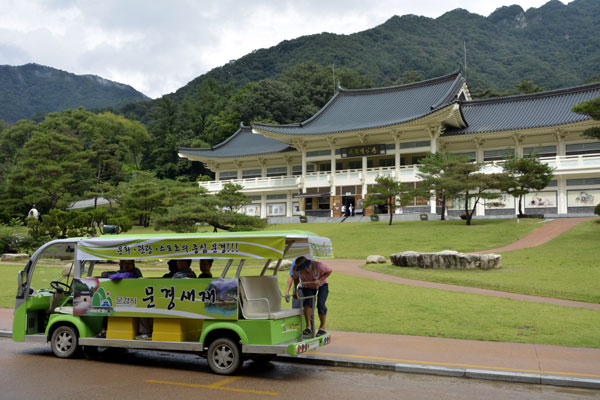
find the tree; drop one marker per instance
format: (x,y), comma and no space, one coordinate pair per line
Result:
(388,191)
(591,108)
(525,174)
(481,186)
(411,76)
(188,206)
(231,198)
(51,170)
(143,195)
(527,86)
(445,174)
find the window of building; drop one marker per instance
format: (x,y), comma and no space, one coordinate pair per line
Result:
(251,173)
(228,175)
(583,148)
(493,155)
(325,167)
(339,166)
(253,210)
(540,151)
(254,198)
(387,162)
(318,153)
(275,209)
(297,169)
(411,145)
(277,196)
(583,182)
(278,171)
(391,146)
(354,164)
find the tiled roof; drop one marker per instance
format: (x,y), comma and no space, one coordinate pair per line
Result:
(242,143)
(351,110)
(525,111)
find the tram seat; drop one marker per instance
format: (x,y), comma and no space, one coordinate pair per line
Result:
(261,298)
(64,310)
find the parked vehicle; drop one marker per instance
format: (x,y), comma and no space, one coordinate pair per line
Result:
(226,319)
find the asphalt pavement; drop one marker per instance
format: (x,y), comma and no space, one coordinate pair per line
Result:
(513,362)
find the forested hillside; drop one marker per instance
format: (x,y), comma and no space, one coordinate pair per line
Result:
(555,46)
(36,89)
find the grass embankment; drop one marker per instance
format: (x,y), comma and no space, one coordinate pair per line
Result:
(357,240)
(567,267)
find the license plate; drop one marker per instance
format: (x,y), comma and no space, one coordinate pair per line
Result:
(313,345)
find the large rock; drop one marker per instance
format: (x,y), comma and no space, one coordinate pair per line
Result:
(284,266)
(13,257)
(376,260)
(447,259)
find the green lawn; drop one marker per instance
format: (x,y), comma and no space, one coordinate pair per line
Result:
(566,267)
(357,240)
(380,307)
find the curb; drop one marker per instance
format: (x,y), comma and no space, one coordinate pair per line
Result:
(7,334)
(505,376)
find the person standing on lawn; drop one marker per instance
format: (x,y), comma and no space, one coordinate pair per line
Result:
(314,274)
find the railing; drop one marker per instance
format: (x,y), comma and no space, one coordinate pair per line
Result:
(407,173)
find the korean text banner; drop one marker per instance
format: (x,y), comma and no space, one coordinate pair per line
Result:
(257,247)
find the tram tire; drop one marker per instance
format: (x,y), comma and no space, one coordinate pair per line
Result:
(65,342)
(224,356)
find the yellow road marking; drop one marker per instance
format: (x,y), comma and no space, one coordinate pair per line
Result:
(215,386)
(453,364)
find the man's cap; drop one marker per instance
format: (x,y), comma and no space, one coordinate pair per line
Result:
(301,266)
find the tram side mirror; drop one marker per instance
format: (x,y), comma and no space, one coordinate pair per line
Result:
(113,229)
(22,278)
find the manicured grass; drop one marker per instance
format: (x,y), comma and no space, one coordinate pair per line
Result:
(566,267)
(357,240)
(380,307)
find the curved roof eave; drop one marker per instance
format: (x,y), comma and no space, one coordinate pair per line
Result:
(260,128)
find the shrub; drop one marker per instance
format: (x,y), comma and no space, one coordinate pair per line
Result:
(597,209)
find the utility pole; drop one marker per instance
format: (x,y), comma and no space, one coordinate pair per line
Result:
(465,53)
(333,71)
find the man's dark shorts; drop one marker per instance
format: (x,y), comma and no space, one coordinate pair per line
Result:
(321,298)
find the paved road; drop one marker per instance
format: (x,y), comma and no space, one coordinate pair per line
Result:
(31,371)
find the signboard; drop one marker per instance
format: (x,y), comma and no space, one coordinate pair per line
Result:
(177,298)
(264,247)
(363,151)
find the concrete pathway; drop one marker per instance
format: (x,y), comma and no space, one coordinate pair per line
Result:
(546,232)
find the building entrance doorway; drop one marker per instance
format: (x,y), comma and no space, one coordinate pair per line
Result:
(348,205)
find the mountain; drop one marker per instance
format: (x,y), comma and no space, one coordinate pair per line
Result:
(555,45)
(31,89)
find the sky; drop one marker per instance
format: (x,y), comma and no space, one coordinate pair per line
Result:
(158,46)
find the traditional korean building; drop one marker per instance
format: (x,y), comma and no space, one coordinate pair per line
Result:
(316,166)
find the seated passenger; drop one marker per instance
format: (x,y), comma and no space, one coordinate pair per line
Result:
(205,266)
(127,269)
(172,269)
(184,270)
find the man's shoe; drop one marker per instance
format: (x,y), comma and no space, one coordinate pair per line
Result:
(144,336)
(321,332)
(307,332)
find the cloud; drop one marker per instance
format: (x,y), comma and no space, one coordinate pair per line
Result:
(158,46)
